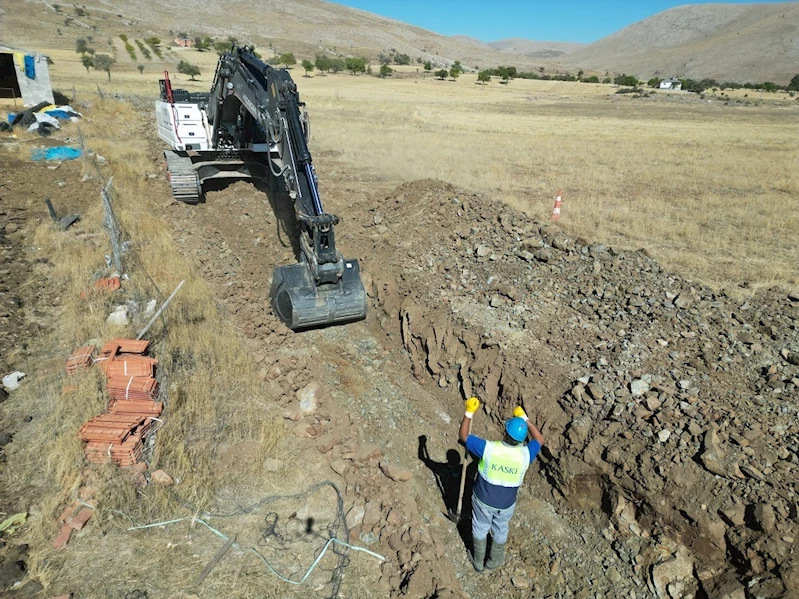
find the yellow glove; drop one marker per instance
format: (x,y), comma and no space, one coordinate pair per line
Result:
(472,405)
(519,412)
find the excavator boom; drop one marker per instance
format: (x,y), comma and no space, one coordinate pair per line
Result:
(253,118)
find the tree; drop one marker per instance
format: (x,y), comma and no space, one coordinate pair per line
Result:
(287,59)
(503,73)
(322,63)
(141,68)
(81,46)
(654,82)
(192,70)
(402,59)
(454,72)
(511,72)
(337,65)
(591,79)
(627,80)
(308,66)
(483,77)
(794,84)
(442,74)
(428,66)
(355,65)
(87,62)
(103,62)
(385,71)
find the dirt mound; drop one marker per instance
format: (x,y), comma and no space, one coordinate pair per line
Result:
(670,407)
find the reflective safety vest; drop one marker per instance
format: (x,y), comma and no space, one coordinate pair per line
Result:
(502,465)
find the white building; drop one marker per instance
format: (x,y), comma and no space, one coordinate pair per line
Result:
(25,75)
(671,83)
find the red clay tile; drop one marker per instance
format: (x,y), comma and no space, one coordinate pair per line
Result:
(68,511)
(79,521)
(63,537)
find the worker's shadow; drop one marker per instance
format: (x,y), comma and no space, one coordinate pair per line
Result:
(448,479)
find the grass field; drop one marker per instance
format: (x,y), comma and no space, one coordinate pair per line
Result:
(710,190)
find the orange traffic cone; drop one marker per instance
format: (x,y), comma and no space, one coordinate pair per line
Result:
(556,209)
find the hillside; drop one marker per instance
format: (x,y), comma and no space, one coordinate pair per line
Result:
(535,49)
(305,27)
(733,42)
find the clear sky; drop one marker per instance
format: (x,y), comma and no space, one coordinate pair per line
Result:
(582,21)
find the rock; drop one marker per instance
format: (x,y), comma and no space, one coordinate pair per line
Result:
(765,517)
(371,514)
(355,516)
(5,438)
(712,457)
(519,582)
(613,575)
(119,317)
(664,435)
(674,579)
(327,442)
(683,301)
(308,397)
(367,452)
(395,473)
(339,466)
(482,251)
(638,387)
(159,477)
(736,515)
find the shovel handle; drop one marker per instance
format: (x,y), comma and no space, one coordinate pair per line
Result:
(463,471)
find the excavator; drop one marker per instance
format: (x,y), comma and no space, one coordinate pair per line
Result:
(252,126)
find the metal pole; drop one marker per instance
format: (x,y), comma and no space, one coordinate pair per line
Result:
(111,225)
(51,209)
(161,309)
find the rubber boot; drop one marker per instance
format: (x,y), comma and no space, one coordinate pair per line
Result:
(478,555)
(497,556)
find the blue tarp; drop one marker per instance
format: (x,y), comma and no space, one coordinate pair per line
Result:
(57,153)
(30,67)
(10,118)
(60,114)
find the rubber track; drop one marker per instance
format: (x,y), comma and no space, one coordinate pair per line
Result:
(183,178)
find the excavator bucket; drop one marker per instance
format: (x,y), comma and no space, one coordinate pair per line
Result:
(301,304)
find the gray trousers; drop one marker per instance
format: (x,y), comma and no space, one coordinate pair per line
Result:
(485,518)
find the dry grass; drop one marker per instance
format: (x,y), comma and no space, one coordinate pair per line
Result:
(711,191)
(215,406)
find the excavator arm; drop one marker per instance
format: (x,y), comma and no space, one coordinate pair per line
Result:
(255,106)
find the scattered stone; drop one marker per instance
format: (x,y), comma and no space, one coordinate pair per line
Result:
(307,397)
(639,387)
(674,578)
(119,317)
(159,477)
(395,473)
(664,435)
(765,517)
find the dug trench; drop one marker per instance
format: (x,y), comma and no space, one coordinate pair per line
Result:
(669,409)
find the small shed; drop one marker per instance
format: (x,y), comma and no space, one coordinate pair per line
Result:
(24,74)
(184,42)
(672,83)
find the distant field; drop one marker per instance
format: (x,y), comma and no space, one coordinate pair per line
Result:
(711,190)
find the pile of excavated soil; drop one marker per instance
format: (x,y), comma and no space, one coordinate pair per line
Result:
(669,407)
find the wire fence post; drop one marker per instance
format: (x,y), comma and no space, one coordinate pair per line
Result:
(113,228)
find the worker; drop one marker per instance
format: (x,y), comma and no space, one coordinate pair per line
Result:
(500,473)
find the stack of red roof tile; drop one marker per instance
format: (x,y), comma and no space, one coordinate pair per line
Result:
(115,437)
(108,284)
(130,380)
(80,358)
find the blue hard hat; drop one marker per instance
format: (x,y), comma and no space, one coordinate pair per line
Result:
(517,429)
